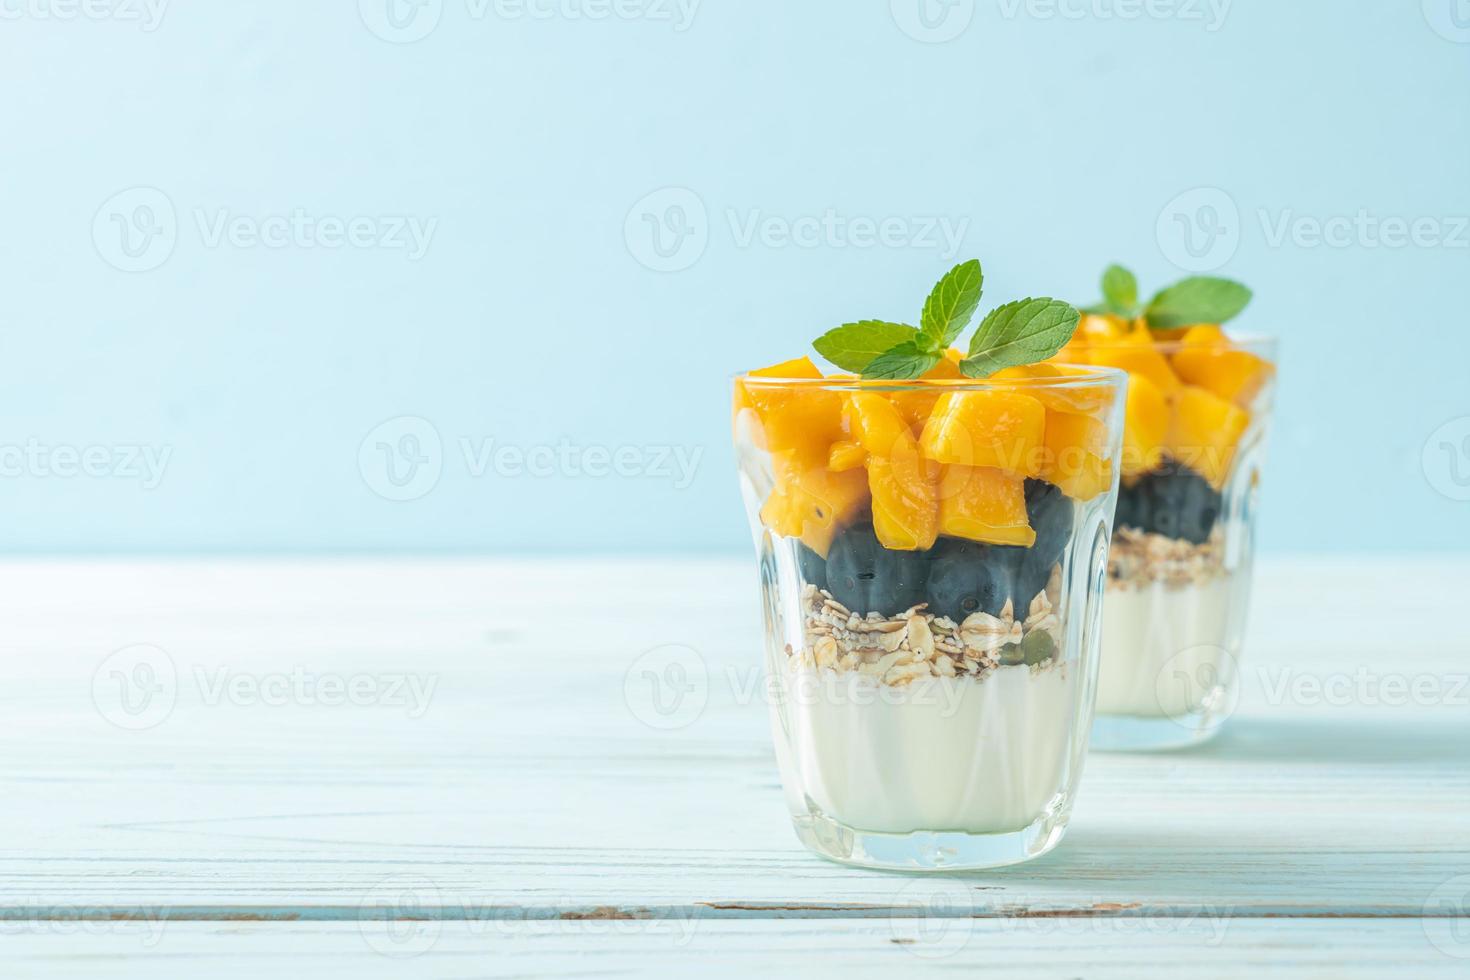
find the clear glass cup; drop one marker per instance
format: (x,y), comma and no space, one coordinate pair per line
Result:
(1179,574)
(932,691)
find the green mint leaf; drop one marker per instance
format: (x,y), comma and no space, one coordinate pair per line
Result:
(951,304)
(1198,299)
(1023,332)
(1120,291)
(853,346)
(903,363)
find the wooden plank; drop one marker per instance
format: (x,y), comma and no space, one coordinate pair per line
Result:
(526,785)
(1131,949)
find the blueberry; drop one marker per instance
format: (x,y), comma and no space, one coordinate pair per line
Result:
(1133,505)
(1181,503)
(866,577)
(813,566)
(968,577)
(1051,514)
(1031,576)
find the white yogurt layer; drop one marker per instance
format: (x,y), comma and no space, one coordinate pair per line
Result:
(941,754)
(1162,648)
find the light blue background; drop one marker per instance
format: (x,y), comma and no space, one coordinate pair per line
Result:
(529,319)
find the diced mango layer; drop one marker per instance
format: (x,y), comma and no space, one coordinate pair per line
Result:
(1204,433)
(984,504)
(995,428)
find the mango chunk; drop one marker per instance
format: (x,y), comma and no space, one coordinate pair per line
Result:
(814,504)
(1204,433)
(916,406)
(1101,328)
(1135,353)
(1075,455)
(798,422)
(1089,401)
(846,455)
(1145,426)
(872,420)
(1207,359)
(996,428)
(982,503)
(905,492)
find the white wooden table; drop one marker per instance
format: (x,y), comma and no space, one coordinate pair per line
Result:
(376,768)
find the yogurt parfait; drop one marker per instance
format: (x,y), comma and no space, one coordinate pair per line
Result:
(932,527)
(1179,570)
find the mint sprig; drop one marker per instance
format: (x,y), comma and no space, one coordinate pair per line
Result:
(1012,335)
(904,363)
(1023,332)
(1197,299)
(952,303)
(853,346)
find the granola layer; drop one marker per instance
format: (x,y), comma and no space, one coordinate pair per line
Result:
(1138,559)
(916,644)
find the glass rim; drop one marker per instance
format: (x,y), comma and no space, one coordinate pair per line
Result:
(1252,343)
(1082,376)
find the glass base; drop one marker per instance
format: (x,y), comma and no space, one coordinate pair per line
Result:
(926,850)
(1133,733)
